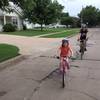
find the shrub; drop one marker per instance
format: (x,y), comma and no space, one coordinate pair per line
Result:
(24,27)
(9,28)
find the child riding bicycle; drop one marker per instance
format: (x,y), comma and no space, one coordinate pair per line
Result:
(65,52)
(83,35)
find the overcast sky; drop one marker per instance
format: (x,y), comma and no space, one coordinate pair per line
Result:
(74,6)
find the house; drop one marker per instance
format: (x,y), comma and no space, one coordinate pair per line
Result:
(12,17)
(55,25)
(15,19)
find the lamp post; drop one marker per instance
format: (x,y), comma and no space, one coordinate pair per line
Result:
(87,24)
(82,17)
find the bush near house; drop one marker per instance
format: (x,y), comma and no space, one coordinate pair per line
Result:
(9,28)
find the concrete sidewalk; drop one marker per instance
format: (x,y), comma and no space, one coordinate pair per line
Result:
(29,79)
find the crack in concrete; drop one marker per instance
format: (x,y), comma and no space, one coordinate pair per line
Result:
(86,59)
(48,75)
(81,92)
(2,93)
(94,60)
(34,91)
(40,82)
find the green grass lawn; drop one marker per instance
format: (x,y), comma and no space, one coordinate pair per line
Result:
(7,52)
(63,34)
(35,32)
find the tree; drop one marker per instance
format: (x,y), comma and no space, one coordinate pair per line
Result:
(45,12)
(3,4)
(76,22)
(89,15)
(64,14)
(98,17)
(67,21)
(40,11)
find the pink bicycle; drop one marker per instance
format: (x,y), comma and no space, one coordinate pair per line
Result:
(64,67)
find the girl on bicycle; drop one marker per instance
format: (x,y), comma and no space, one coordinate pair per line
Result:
(65,53)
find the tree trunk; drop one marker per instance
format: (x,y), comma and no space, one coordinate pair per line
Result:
(41,27)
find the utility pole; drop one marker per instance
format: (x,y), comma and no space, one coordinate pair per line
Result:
(82,17)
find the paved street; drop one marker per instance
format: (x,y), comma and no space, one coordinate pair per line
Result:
(29,45)
(36,78)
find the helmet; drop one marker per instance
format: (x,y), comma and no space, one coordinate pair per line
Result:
(65,40)
(83,25)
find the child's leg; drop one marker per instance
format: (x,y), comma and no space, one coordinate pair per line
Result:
(67,63)
(61,63)
(85,44)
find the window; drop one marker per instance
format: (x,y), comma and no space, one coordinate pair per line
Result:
(14,21)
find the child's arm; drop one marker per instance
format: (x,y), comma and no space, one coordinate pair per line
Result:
(71,51)
(58,52)
(79,35)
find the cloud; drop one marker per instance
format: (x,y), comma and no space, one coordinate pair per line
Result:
(75,6)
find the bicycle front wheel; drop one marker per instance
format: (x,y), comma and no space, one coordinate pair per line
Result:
(63,78)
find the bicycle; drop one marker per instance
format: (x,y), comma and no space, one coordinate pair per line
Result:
(64,67)
(83,47)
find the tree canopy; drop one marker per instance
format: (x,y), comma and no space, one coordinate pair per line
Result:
(90,15)
(67,20)
(44,12)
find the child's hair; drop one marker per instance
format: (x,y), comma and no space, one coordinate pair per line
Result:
(64,41)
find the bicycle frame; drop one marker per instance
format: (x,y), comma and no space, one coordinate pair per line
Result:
(64,64)
(82,47)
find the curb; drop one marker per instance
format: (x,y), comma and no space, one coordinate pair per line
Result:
(39,36)
(12,61)
(70,36)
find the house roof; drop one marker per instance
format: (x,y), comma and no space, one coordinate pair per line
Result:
(16,11)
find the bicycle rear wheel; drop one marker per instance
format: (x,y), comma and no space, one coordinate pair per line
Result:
(65,67)
(82,53)
(82,50)
(63,78)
